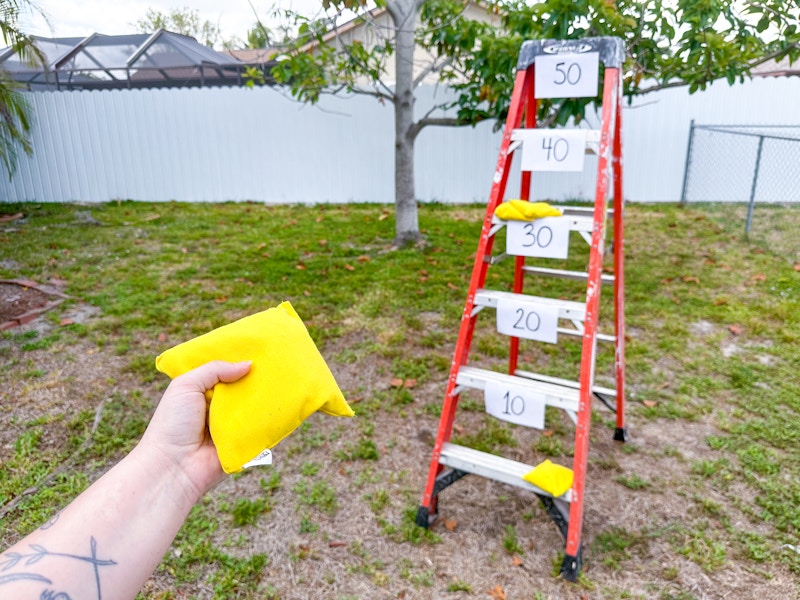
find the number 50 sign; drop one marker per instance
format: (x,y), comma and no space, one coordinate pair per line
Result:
(567,75)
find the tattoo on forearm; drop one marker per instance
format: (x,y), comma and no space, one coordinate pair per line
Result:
(51,522)
(12,559)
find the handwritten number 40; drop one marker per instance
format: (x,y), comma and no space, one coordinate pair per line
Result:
(570,75)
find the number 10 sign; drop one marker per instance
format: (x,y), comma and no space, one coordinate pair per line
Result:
(514,404)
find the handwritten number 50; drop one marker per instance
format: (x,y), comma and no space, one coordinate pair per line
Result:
(570,74)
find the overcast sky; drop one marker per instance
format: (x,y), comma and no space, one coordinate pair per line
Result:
(115,17)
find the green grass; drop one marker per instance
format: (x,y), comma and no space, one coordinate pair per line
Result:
(713,337)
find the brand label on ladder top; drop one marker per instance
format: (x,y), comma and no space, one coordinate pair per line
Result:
(544,238)
(553,150)
(515,405)
(528,319)
(567,75)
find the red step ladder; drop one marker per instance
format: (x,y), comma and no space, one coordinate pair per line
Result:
(562,66)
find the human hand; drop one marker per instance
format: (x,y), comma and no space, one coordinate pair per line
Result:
(178,430)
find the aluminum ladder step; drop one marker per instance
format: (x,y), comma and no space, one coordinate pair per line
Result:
(567,309)
(493,467)
(564,274)
(560,396)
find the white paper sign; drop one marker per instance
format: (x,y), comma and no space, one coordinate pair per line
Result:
(527,319)
(547,237)
(514,405)
(553,150)
(567,75)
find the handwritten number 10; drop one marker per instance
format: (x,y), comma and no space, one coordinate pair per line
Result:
(512,404)
(570,75)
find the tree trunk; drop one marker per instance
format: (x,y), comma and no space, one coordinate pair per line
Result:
(404,13)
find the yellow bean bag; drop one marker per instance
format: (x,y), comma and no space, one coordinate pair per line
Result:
(550,477)
(522,210)
(287,382)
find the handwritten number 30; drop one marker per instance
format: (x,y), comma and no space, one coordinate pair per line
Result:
(543,239)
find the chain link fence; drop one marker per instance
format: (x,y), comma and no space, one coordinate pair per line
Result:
(742,163)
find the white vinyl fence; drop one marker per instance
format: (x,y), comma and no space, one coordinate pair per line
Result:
(218,144)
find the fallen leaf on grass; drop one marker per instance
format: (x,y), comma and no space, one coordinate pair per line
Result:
(65,322)
(691,279)
(363,258)
(458,429)
(150,217)
(758,277)
(336,544)
(261,245)
(516,561)
(410,383)
(649,403)
(451,286)
(318,219)
(450,524)
(497,593)
(350,267)
(323,242)
(396,382)
(221,299)
(547,432)
(735,329)
(306,293)
(797,266)
(162,337)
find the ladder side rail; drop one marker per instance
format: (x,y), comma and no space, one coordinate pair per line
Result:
(479,269)
(619,273)
(531,108)
(571,565)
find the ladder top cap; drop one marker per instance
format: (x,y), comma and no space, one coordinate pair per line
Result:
(611,50)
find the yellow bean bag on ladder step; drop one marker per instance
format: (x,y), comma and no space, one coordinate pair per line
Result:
(522,210)
(288,381)
(550,477)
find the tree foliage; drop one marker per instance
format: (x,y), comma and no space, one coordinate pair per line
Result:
(15,117)
(185,21)
(668,43)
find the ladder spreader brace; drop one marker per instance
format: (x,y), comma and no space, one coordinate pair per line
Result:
(450,462)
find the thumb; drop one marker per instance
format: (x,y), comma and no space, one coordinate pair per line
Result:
(210,374)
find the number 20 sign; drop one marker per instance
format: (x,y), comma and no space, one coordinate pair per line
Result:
(526,319)
(515,405)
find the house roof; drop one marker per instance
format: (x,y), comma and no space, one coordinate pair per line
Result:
(777,68)
(161,59)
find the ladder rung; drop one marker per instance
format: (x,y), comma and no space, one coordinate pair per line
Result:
(567,308)
(492,467)
(564,382)
(577,222)
(559,396)
(563,274)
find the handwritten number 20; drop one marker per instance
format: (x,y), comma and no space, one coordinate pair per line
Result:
(570,74)
(532,321)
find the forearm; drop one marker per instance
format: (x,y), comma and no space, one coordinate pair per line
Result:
(107,542)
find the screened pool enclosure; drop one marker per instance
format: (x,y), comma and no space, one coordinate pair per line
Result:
(161,59)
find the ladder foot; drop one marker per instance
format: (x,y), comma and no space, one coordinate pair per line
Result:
(424,517)
(620,434)
(571,567)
